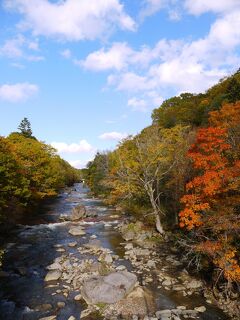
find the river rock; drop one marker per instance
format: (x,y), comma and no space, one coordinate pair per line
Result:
(200,309)
(167,282)
(129,246)
(121,268)
(93,244)
(194,284)
(85,313)
(108,289)
(178,287)
(72,244)
(151,264)
(141,252)
(78,297)
(53,275)
(61,304)
(77,231)
(128,235)
(166,313)
(108,259)
(44,307)
(54,266)
(78,212)
(138,303)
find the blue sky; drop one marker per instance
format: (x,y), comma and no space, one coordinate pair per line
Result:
(87,73)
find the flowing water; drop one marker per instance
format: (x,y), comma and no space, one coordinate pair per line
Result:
(36,242)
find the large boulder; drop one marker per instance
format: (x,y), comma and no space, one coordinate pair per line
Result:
(108,289)
(78,212)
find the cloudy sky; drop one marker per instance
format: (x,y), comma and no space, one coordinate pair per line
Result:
(89,72)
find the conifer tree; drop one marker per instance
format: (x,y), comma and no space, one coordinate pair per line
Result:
(25,128)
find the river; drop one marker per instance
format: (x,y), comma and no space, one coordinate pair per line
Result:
(36,242)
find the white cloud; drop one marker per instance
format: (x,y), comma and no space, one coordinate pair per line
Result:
(225,32)
(198,7)
(175,8)
(189,76)
(13,48)
(120,55)
(78,164)
(114,58)
(20,48)
(155,98)
(81,146)
(179,66)
(33,45)
(113,136)
(150,7)
(138,104)
(71,19)
(132,82)
(17,92)
(199,64)
(67,54)
(174,15)
(145,102)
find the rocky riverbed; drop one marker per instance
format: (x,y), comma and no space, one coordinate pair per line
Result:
(83,260)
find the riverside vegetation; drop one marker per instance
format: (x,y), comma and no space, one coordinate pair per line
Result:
(30,171)
(181,176)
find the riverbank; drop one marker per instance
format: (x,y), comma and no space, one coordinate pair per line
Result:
(89,269)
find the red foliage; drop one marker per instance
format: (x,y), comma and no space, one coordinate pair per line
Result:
(213,195)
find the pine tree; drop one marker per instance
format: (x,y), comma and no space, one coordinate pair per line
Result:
(25,128)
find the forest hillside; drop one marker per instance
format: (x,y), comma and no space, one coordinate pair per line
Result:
(182,175)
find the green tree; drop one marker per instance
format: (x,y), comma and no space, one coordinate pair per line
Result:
(233,90)
(25,128)
(142,164)
(14,187)
(97,171)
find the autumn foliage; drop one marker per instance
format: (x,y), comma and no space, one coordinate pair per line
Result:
(185,168)
(212,198)
(30,171)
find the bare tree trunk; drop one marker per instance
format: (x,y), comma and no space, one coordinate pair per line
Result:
(159,224)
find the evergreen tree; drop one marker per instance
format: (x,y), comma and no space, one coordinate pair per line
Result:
(233,91)
(25,128)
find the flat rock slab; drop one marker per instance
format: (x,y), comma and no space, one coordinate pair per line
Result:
(93,244)
(77,231)
(53,275)
(108,289)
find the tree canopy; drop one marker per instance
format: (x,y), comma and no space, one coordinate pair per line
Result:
(30,171)
(182,173)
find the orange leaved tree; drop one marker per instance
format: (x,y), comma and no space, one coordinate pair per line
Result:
(212,200)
